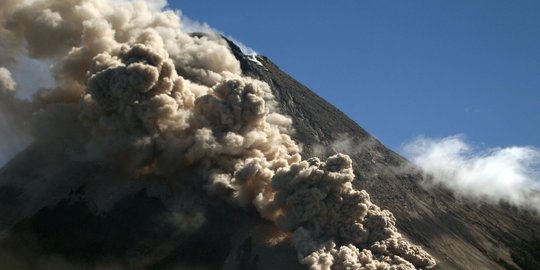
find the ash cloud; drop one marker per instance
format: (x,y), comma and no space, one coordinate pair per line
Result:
(509,174)
(336,226)
(134,89)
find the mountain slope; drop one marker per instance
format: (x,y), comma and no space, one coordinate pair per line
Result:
(459,233)
(66,212)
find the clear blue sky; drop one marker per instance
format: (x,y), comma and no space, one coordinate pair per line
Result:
(403,68)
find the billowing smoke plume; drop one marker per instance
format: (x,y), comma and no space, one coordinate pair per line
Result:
(331,220)
(502,174)
(133,89)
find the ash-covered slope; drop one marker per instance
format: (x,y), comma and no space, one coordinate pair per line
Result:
(459,233)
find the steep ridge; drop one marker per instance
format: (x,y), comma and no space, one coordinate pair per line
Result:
(461,234)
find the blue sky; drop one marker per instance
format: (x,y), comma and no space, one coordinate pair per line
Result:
(403,68)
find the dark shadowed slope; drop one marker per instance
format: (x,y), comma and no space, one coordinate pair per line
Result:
(460,234)
(50,220)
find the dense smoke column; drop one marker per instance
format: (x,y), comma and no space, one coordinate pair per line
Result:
(133,88)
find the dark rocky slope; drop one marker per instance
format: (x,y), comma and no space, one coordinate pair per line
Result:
(460,234)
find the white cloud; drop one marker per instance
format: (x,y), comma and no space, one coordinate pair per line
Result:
(507,174)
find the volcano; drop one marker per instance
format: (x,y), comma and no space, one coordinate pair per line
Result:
(160,149)
(459,234)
